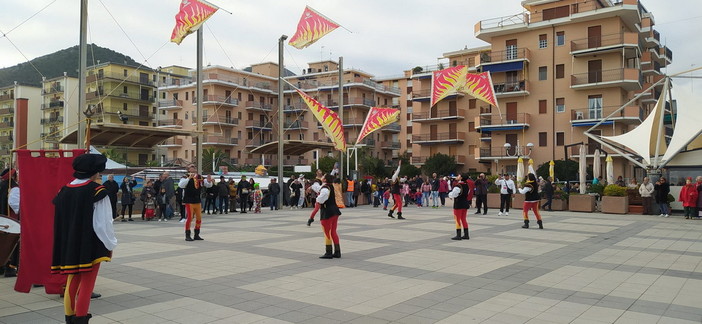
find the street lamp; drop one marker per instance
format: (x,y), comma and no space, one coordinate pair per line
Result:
(519,152)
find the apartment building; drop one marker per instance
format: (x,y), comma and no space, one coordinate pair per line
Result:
(59,115)
(240,111)
(19,118)
(558,69)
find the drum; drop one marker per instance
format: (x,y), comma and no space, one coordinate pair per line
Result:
(9,236)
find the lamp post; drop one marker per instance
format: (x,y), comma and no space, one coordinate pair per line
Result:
(518,150)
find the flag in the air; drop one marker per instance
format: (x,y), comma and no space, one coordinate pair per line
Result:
(376,119)
(312,27)
(446,82)
(331,123)
(190,17)
(479,85)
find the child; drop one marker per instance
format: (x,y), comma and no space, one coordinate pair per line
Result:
(162,201)
(386,199)
(257,196)
(418,197)
(150,207)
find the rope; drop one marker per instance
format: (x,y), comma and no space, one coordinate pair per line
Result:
(28,18)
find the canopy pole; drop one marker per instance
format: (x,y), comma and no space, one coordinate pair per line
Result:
(281,113)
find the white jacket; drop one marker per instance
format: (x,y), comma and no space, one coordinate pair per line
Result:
(504,184)
(646,190)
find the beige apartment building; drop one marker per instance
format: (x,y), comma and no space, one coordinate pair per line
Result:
(240,111)
(57,118)
(19,119)
(558,69)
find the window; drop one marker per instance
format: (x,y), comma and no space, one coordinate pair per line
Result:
(543,106)
(472,103)
(511,49)
(560,105)
(124,106)
(560,71)
(543,41)
(125,72)
(594,106)
(543,139)
(125,90)
(471,126)
(543,73)
(560,138)
(560,38)
(186,96)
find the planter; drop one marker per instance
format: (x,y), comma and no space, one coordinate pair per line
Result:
(557,204)
(581,203)
(493,200)
(615,205)
(635,209)
(517,201)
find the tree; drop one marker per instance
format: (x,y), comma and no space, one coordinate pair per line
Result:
(417,69)
(326,164)
(441,164)
(218,156)
(114,155)
(562,170)
(370,165)
(408,169)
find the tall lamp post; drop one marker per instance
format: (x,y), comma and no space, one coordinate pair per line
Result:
(518,152)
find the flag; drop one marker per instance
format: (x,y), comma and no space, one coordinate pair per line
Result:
(190,17)
(330,121)
(479,85)
(376,119)
(447,81)
(311,28)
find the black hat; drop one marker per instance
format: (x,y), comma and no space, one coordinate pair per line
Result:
(87,165)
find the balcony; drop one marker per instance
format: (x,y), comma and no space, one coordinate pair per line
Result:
(53,89)
(93,95)
(652,69)
(420,160)
(172,142)
(257,124)
(120,77)
(392,128)
(170,123)
(258,106)
(296,125)
(368,141)
(170,104)
(255,142)
(508,55)
(626,78)
(603,44)
(390,145)
(653,39)
(439,138)
(53,105)
(219,140)
(4,152)
(218,100)
(666,54)
(220,121)
(591,116)
(501,152)
(7,111)
(296,108)
(353,122)
(503,122)
(7,124)
(511,89)
(439,114)
(5,139)
(8,96)
(52,120)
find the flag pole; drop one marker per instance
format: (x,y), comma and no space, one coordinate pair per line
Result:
(341,113)
(82,57)
(281,73)
(198,109)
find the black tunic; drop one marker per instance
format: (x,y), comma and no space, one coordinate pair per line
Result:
(462,202)
(328,209)
(76,246)
(533,194)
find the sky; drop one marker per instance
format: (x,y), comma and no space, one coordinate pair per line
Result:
(381,37)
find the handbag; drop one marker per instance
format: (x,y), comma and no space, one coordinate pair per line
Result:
(510,191)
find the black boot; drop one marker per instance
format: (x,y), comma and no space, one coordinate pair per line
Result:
(10,271)
(328,254)
(310,221)
(465,234)
(399,215)
(197,235)
(69,319)
(541,224)
(337,251)
(390,213)
(187,236)
(526,224)
(81,319)
(458,235)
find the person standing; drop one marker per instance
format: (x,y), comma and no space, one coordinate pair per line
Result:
(251,188)
(350,185)
(295,193)
(548,193)
(243,189)
(232,195)
(688,196)
(179,201)
(481,191)
(211,199)
(426,193)
(223,195)
(366,190)
(698,185)
(395,191)
(443,190)
(112,189)
(329,217)
(192,190)
(83,234)
(646,192)
(662,189)
(162,204)
(148,189)
(507,190)
(462,195)
(273,192)
(168,183)
(257,198)
(434,182)
(127,201)
(356,192)
(531,200)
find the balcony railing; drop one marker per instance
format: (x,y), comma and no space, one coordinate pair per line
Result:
(173,103)
(218,100)
(7,124)
(52,105)
(258,105)
(666,53)
(220,120)
(258,124)
(460,159)
(7,96)
(504,120)
(440,114)
(367,141)
(7,111)
(58,119)
(120,76)
(622,75)
(298,124)
(353,121)
(53,89)
(172,142)
(295,108)
(219,140)
(503,152)
(175,123)
(439,137)
(254,142)
(390,145)
(394,128)
(129,95)
(604,41)
(506,55)
(511,88)
(585,114)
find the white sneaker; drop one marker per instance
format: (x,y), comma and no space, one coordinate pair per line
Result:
(506,214)
(661,215)
(165,219)
(159,219)
(182,220)
(499,214)
(666,215)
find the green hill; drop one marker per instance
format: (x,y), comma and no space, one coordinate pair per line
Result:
(54,64)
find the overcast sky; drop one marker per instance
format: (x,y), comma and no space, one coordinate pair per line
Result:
(386,36)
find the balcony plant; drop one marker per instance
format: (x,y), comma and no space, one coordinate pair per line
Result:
(615,200)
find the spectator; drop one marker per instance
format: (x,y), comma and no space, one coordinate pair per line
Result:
(243,189)
(507,190)
(127,200)
(548,193)
(426,192)
(366,190)
(112,188)
(662,190)
(481,191)
(350,186)
(273,192)
(223,195)
(210,199)
(646,192)
(232,195)
(620,182)
(148,189)
(688,196)
(443,190)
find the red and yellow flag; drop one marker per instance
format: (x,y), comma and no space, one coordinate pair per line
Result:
(312,27)
(447,81)
(190,17)
(376,119)
(330,121)
(479,85)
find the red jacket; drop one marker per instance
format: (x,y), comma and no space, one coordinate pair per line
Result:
(688,195)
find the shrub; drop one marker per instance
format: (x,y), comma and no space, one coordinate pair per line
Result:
(560,195)
(493,188)
(596,188)
(614,190)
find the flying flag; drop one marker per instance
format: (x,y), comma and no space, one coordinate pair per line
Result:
(376,119)
(446,82)
(190,17)
(330,121)
(479,85)
(312,27)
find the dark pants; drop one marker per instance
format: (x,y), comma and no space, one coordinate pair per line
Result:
(124,207)
(182,210)
(210,203)
(232,203)
(647,203)
(368,198)
(549,198)
(442,196)
(481,201)
(274,202)
(113,202)
(505,200)
(243,201)
(224,204)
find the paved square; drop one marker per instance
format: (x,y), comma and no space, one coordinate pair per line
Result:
(263,268)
